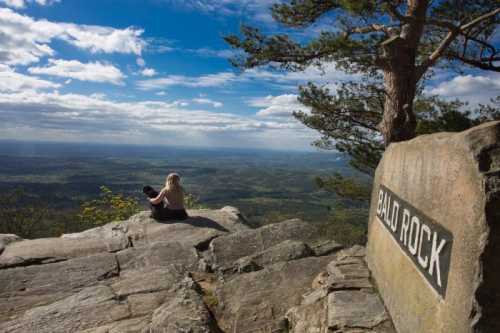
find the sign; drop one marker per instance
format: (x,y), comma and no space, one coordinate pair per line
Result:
(425,242)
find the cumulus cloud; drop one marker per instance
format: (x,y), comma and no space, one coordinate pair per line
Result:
(473,88)
(140,62)
(208,101)
(325,74)
(148,72)
(22,3)
(11,81)
(209,52)
(328,74)
(257,10)
(92,71)
(277,106)
(80,116)
(25,40)
(209,80)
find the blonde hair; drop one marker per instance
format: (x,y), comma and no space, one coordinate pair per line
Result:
(173,182)
(174,190)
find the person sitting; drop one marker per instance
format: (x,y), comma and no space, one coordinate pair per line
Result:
(169,203)
(157,209)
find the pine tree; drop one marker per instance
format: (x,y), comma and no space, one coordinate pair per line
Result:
(392,44)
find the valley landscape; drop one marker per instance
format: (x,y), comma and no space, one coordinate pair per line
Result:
(267,186)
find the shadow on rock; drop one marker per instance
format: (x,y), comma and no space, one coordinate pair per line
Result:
(197,221)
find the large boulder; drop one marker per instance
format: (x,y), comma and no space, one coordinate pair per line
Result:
(434,231)
(6,239)
(202,226)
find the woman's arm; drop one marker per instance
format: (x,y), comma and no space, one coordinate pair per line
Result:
(159,198)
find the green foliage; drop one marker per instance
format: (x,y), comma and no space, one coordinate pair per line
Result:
(19,217)
(490,111)
(345,187)
(402,39)
(346,225)
(346,121)
(439,116)
(107,208)
(360,26)
(192,202)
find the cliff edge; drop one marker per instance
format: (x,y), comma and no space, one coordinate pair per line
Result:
(210,273)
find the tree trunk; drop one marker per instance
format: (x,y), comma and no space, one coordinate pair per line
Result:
(398,122)
(400,81)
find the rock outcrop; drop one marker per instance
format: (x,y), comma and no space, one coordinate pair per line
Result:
(210,273)
(434,233)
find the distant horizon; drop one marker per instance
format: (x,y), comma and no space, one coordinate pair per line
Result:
(313,150)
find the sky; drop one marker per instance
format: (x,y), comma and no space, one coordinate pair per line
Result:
(157,72)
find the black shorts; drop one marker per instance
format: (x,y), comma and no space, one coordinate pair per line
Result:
(158,212)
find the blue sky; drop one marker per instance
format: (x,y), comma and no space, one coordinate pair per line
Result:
(156,71)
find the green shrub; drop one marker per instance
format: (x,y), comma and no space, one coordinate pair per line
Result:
(192,202)
(107,208)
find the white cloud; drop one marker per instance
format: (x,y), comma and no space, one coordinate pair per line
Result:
(11,81)
(148,72)
(22,3)
(475,89)
(161,93)
(209,52)
(257,10)
(92,71)
(277,106)
(140,62)
(209,80)
(95,115)
(25,40)
(328,74)
(208,101)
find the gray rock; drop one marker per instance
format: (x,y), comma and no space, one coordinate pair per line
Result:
(91,307)
(6,239)
(159,278)
(147,281)
(158,254)
(258,301)
(326,247)
(352,268)
(342,300)
(202,226)
(355,309)
(227,249)
(308,317)
(284,251)
(38,251)
(26,287)
(133,325)
(185,312)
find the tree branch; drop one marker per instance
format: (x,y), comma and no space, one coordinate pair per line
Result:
(450,37)
(369,28)
(483,63)
(393,11)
